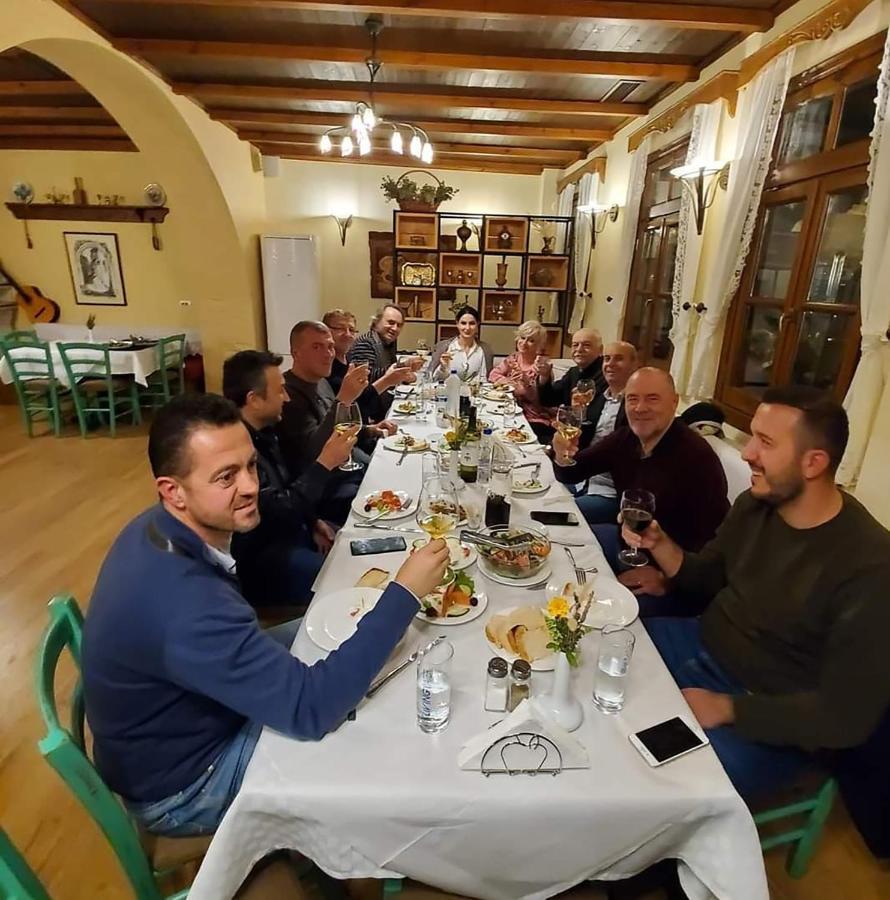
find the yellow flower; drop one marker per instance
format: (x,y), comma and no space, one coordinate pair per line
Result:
(558,608)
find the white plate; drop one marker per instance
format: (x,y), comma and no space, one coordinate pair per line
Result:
(404,412)
(547,664)
(461,556)
(614,604)
(501,434)
(490,393)
(358,507)
(333,618)
(474,613)
(532,580)
(518,489)
(392,443)
(405,388)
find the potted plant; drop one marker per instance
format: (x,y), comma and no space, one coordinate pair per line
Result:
(413,197)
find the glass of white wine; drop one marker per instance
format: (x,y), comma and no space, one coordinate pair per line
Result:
(438,511)
(568,424)
(348,417)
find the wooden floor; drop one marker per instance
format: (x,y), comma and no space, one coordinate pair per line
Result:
(62,502)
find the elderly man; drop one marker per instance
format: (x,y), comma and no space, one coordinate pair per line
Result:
(790,655)
(599,501)
(378,346)
(587,353)
(660,454)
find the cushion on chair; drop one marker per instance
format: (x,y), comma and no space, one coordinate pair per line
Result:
(171,852)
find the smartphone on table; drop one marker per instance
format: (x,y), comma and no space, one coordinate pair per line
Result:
(554,517)
(369,546)
(667,740)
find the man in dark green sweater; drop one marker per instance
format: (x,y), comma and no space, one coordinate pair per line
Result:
(790,655)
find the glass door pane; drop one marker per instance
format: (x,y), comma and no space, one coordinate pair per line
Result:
(803,129)
(758,349)
(838,267)
(821,347)
(647,264)
(661,320)
(668,259)
(858,112)
(780,236)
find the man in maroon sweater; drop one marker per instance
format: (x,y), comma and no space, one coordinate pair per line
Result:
(658,453)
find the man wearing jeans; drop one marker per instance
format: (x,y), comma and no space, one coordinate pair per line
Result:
(789,657)
(179,679)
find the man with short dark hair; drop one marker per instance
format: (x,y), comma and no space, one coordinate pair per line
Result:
(279,560)
(790,655)
(179,680)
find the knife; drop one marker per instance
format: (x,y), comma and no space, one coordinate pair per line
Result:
(402,666)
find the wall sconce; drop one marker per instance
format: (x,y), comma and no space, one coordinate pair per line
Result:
(599,215)
(700,180)
(343,223)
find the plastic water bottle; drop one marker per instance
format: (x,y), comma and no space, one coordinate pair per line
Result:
(452,391)
(483,469)
(441,406)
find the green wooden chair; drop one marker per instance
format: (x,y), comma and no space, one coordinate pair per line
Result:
(146,859)
(810,813)
(94,388)
(39,392)
(17,878)
(169,379)
(28,336)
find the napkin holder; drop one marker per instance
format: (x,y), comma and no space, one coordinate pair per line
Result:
(524,743)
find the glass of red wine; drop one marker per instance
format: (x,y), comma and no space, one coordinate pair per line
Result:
(637,511)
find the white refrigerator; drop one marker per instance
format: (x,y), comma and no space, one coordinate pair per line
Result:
(291,286)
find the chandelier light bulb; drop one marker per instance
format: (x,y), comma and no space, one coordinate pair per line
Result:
(426,155)
(368,118)
(364,144)
(415,147)
(395,142)
(326,145)
(346,146)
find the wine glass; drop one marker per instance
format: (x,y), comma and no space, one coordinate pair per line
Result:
(568,424)
(348,417)
(637,511)
(438,511)
(582,396)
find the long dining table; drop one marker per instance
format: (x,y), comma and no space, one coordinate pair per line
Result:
(380,798)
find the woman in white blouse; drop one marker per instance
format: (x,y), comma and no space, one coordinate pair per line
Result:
(471,357)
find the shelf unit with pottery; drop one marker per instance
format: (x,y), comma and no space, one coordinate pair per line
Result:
(514,268)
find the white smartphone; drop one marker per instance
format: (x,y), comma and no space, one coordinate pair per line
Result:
(668,740)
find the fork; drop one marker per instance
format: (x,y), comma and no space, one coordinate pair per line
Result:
(580,574)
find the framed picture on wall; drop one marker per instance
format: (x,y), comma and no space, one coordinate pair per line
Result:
(380,245)
(95,265)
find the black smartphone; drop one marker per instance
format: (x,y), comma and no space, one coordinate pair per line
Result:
(377,545)
(554,517)
(666,741)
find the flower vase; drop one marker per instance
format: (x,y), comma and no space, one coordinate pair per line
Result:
(90,336)
(561,705)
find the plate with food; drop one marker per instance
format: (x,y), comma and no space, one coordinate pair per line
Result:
(385,504)
(406,407)
(333,618)
(516,435)
(525,563)
(523,485)
(497,391)
(400,442)
(520,632)
(454,601)
(460,555)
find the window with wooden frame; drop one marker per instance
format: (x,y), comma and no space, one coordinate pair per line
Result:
(649,316)
(795,319)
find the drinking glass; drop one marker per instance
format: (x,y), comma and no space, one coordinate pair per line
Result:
(438,511)
(434,688)
(616,649)
(348,417)
(568,424)
(637,511)
(582,396)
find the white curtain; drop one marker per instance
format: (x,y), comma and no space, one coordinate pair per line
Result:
(759,113)
(588,188)
(867,391)
(636,182)
(702,147)
(563,208)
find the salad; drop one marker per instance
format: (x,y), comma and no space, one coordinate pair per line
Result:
(451,599)
(382,501)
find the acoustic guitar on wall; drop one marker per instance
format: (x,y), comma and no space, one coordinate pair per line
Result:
(34,305)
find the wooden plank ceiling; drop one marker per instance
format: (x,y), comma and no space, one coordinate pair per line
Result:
(500,85)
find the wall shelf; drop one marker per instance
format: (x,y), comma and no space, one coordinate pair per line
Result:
(70,212)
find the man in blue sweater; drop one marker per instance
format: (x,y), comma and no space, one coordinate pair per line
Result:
(178,677)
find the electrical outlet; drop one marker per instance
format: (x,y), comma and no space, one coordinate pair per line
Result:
(185,302)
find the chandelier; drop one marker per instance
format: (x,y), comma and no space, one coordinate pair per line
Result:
(356,134)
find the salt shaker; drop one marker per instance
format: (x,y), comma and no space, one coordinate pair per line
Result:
(496,686)
(520,677)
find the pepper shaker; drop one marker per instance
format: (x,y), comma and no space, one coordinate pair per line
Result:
(520,683)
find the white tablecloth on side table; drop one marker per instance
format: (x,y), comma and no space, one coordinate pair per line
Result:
(138,363)
(379,798)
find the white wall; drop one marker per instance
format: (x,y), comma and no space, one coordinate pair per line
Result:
(303,197)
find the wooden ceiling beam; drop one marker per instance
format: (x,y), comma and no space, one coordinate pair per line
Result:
(548,62)
(60,129)
(434,126)
(66,143)
(351,91)
(695,16)
(80,113)
(45,88)
(506,168)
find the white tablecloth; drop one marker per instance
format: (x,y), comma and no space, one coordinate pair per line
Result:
(138,363)
(378,797)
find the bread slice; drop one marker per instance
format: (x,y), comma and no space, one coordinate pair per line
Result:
(373,578)
(532,644)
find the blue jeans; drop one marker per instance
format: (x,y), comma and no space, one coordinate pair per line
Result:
(597,509)
(753,768)
(199,808)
